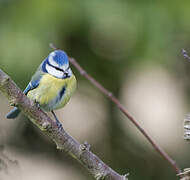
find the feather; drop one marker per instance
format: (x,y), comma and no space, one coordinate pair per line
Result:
(32,85)
(13,113)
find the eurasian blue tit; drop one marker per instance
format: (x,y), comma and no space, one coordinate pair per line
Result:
(52,85)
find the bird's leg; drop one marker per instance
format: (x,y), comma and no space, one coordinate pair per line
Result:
(37,104)
(59,125)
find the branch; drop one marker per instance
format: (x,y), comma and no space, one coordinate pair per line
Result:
(97,168)
(185,175)
(187,128)
(124,111)
(7,165)
(187,118)
(185,55)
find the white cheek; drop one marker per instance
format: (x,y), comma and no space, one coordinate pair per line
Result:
(54,72)
(52,54)
(69,72)
(51,61)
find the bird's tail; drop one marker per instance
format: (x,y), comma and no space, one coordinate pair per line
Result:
(13,113)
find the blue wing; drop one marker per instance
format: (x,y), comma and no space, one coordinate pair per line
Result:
(32,85)
(34,81)
(28,88)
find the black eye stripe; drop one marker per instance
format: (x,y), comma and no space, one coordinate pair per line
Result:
(59,69)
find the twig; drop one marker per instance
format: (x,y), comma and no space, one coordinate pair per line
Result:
(187,118)
(185,55)
(97,168)
(185,175)
(124,111)
(187,128)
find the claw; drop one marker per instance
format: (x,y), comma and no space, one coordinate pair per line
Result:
(59,125)
(37,104)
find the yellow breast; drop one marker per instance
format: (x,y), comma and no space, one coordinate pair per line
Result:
(48,90)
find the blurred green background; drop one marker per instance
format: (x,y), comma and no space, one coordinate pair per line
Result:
(134,49)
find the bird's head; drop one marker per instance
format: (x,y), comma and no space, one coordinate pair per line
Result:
(57,64)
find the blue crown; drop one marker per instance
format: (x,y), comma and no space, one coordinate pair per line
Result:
(60,57)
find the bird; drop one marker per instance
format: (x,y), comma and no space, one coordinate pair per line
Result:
(51,86)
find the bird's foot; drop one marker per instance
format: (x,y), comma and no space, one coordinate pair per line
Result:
(59,125)
(37,104)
